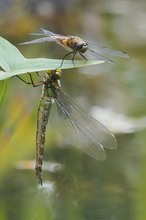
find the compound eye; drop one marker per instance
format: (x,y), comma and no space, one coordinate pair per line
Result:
(82,47)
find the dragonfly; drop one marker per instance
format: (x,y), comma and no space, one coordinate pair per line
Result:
(92,137)
(78,45)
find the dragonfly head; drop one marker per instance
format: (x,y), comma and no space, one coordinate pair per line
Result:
(82,47)
(55,74)
(54,77)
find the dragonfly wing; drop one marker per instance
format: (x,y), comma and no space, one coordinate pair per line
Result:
(44,33)
(48,37)
(92,136)
(48,33)
(39,40)
(75,136)
(105,50)
(53,35)
(99,56)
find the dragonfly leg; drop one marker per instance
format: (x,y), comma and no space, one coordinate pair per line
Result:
(73,57)
(29,83)
(64,59)
(31,80)
(82,56)
(39,74)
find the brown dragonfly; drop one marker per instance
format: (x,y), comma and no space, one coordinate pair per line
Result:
(78,45)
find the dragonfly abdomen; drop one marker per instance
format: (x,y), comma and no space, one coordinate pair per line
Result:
(42,120)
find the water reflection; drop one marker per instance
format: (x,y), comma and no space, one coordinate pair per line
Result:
(78,191)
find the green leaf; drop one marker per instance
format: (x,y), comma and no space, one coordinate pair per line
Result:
(9,55)
(14,63)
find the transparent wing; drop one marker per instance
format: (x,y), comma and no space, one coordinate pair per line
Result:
(105,50)
(99,56)
(53,35)
(44,32)
(49,33)
(48,36)
(39,40)
(92,135)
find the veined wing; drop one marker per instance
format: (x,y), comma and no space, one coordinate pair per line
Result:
(49,33)
(39,40)
(99,56)
(105,50)
(44,32)
(48,36)
(91,134)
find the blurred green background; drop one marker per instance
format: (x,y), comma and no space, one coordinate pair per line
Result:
(77,187)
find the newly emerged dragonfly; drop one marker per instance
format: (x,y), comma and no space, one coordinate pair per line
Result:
(78,45)
(91,135)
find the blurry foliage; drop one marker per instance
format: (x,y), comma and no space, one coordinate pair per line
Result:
(3,85)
